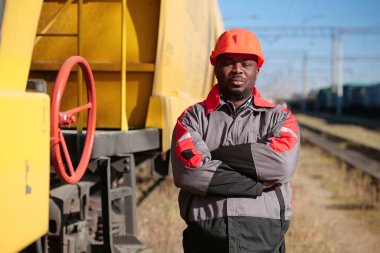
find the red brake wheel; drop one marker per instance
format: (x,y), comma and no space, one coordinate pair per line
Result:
(59,119)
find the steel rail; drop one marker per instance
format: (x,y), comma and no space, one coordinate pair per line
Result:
(353,158)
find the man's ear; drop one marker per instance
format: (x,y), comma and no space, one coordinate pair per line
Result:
(215,70)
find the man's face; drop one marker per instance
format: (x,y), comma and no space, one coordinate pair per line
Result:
(236,74)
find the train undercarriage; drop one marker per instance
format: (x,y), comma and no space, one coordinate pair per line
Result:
(98,214)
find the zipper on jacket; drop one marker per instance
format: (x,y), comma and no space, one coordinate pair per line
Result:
(234,116)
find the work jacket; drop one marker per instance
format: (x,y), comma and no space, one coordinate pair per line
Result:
(220,159)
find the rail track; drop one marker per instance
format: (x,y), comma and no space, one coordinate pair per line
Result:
(146,186)
(354,155)
(357,156)
(146,180)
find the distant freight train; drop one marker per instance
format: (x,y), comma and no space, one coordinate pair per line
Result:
(358,100)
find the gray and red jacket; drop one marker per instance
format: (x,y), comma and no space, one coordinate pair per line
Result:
(220,159)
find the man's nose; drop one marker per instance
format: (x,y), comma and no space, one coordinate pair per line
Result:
(237,67)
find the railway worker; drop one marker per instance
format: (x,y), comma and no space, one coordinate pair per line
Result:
(233,156)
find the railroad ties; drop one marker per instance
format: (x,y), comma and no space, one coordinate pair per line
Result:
(356,147)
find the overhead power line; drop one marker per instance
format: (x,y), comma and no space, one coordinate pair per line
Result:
(312,31)
(325,57)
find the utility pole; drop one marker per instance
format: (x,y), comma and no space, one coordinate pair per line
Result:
(290,83)
(333,58)
(304,83)
(278,83)
(339,91)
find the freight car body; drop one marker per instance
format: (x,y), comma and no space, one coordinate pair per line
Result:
(149,60)
(358,99)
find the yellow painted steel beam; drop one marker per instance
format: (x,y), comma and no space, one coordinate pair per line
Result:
(79,70)
(96,66)
(124,120)
(57,34)
(18,29)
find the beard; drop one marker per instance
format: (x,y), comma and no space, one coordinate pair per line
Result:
(234,95)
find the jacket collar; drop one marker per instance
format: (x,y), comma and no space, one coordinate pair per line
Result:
(212,101)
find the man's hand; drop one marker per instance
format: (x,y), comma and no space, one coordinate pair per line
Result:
(271,185)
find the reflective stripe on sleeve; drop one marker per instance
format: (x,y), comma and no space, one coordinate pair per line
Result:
(184,137)
(288,130)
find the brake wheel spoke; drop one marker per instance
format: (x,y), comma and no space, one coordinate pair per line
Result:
(66,153)
(78,109)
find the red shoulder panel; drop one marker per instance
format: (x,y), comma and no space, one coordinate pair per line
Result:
(185,149)
(288,135)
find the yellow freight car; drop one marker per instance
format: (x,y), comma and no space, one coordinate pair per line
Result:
(149,60)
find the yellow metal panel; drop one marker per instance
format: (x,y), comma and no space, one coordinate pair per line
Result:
(186,37)
(24,168)
(102,48)
(102,31)
(183,73)
(56,48)
(154,117)
(18,30)
(142,26)
(139,89)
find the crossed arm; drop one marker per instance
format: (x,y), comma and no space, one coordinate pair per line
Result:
(196,172)
(232,171)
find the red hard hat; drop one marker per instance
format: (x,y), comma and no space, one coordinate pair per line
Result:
(239,41)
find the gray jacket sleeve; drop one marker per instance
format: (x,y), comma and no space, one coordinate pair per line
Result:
(196,172)
(276,156)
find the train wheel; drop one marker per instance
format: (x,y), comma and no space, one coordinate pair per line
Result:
(59,119)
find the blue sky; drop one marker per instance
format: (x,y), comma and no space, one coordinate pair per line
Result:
(284,69)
